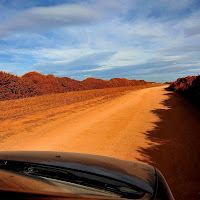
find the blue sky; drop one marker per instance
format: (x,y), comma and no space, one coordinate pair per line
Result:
(155,40)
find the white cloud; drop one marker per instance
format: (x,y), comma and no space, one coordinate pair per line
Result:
(147,28)
(190,25)
(58,54)
(172,58)
(42,18)
(182,65)
(127,58)
(140,34)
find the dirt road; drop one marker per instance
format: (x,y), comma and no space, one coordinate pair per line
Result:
(151,125)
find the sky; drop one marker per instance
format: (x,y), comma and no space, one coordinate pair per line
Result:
(154,40)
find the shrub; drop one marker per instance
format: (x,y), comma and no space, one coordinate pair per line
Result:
(34,84)
(188,86)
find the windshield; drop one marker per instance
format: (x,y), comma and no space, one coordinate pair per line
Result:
(78,181)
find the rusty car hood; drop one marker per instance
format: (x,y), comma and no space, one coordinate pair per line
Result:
(127,171)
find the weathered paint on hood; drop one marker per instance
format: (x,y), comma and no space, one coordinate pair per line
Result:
(140,171)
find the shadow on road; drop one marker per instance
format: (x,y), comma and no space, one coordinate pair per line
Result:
(175,148)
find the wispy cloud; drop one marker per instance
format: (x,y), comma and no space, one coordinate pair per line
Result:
(101,38)
(83,63)
(50,17)
(42,18)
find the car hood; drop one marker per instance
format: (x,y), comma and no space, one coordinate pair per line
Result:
(127,171)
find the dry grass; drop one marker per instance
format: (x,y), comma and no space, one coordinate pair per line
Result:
(24,115)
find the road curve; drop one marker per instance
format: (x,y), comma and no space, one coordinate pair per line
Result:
(151,125)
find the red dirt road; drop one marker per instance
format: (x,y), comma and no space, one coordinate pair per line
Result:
(151,125)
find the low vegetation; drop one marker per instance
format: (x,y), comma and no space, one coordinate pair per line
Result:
(19,108)
(35,84)
(25,115)
(189,87)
